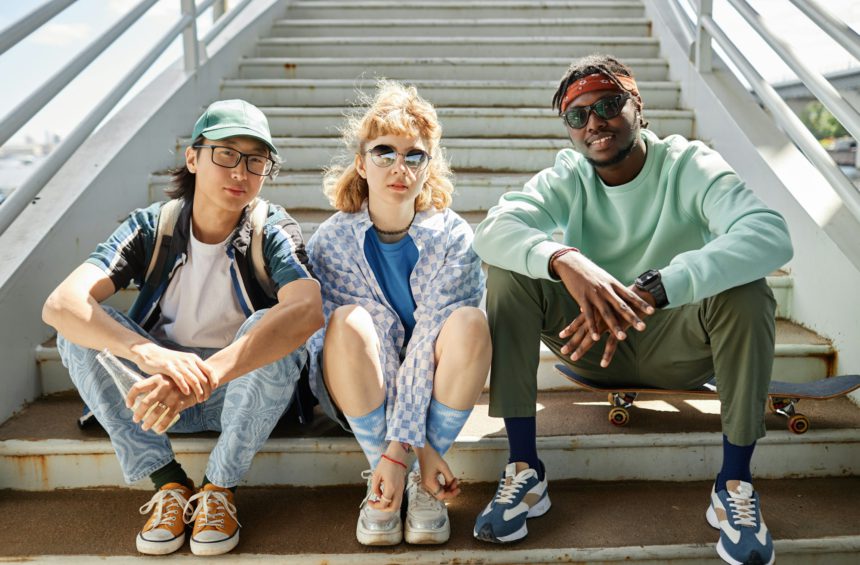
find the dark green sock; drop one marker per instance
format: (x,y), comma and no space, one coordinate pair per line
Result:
(170,473)
(206,481)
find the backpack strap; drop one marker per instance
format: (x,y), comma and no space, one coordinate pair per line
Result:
(167,217)
(259,213)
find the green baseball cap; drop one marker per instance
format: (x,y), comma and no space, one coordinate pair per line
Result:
(228,118)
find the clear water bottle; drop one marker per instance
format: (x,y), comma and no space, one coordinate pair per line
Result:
(124,378)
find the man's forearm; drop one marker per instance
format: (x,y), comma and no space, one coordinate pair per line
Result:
(279,332)
(84,322)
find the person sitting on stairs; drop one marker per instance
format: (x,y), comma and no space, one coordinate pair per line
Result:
(405,352)
(662,237)
(224,353)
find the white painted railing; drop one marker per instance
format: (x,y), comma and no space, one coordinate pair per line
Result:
(705,31)
(21,114)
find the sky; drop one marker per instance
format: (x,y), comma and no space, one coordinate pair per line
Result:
(35,59)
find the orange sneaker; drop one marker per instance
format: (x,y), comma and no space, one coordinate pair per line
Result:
(164,532)
(216,528)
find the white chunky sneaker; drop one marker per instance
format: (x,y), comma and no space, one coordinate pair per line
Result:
(426,518)
(376,527)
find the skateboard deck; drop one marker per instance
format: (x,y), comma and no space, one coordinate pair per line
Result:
(783,396)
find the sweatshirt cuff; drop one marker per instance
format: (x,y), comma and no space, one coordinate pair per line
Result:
(537,263)
(678,285)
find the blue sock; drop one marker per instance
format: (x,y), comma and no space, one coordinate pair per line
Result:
(443,426)
(736,463)
(522,442)
(369,430)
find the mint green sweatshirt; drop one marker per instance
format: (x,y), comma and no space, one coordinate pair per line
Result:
(686,213)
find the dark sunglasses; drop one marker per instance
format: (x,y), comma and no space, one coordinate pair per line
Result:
(606,108)
(384,156)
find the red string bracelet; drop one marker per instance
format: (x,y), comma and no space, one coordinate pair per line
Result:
(556,255)
(386,457)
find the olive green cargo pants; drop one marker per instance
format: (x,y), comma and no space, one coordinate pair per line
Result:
(729,336)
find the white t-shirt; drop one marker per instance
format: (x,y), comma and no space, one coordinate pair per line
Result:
(199,307)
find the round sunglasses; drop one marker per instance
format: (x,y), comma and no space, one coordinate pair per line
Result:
(606,108)
(384,156)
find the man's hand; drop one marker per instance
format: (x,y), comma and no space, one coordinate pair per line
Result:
(604,302)
(582,338)
(432,465)
(160,402)
(190,373)
(389,479)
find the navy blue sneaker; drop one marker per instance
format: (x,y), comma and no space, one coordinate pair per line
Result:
(736,512)
(520,496)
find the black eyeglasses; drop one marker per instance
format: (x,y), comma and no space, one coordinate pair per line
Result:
(384,156)
(606,108)
(228,157)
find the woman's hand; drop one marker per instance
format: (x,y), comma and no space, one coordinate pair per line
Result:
(190,373)
(389,479)
(436,475)
(160,402)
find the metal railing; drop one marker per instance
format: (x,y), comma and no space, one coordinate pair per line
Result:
(707,31)
(12,122)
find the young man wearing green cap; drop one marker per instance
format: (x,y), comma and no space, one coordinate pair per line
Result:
(224,347)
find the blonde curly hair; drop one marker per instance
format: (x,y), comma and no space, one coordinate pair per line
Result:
(394,110)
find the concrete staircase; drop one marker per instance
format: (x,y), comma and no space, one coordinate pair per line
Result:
(490,67)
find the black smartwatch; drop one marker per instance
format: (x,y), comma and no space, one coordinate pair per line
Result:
(651,282)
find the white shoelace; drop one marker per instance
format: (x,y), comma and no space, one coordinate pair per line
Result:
(366,474)
(423,500)
(743,507)
(214,516)
(161,499)
(508,491)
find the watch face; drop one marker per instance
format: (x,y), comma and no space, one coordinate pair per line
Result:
(648,277)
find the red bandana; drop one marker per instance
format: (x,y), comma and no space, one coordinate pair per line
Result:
(597,81)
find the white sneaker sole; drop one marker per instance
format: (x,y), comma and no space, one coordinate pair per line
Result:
(428,537)
(214,547)
(711,517)
(159,547)
(372,537)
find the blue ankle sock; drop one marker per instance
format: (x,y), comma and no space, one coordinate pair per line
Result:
(443,426)
(369,431)
(736,463)
(522,442)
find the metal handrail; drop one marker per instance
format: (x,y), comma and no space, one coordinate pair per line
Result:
(792,125)
(187,26)
(29,23)
(839,31)
(814,81)
(43,94)
(707,29)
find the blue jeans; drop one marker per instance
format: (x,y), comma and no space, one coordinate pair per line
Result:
(245,410)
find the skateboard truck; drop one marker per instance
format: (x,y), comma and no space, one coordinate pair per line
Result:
(797,422)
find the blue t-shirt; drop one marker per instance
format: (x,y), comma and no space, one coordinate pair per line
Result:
(392,263)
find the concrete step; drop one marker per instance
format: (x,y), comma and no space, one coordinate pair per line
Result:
(474,192)
(426,68)
(669,437)
(812,521)
(432,46)
(466,122)
(497,155)
(342,9)
(342,94)
(461,27)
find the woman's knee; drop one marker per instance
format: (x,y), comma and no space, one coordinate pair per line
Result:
(348,325)
(467,330)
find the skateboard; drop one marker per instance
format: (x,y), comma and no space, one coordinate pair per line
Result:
(782,396)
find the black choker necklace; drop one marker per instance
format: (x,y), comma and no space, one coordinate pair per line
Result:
(397,232)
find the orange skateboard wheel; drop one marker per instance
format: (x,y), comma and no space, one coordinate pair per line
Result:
(619,416)
(798,424)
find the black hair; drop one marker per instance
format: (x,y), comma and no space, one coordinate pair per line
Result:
(182,180)
(589,65)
